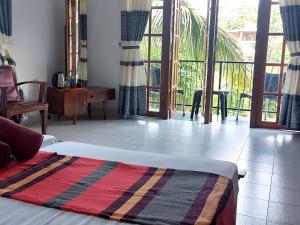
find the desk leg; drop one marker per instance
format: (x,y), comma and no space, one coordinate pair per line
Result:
(74,119)
(90,110)
(104,109)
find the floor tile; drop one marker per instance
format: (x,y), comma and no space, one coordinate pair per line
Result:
(257,178)
(287,159)
(256,191)
(259,157)
(252,207)
(290,171)
(284,213)
(247,220)
(282,195)
(285,182)
(278,223)
(255,166)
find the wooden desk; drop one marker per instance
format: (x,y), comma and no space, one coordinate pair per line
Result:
(77,101)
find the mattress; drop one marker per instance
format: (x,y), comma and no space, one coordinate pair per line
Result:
(15,212)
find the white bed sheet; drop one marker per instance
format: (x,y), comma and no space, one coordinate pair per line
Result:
(18,213)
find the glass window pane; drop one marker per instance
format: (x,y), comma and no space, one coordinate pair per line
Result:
(275,20)
(269,108)
(158,3)
(271,82)
(283,77)
(157,21)
(287,56)
(155,74)
(144,48)
(274,49)
(154,100)
(273,69)
(156,48)
(147,28)
(146,71)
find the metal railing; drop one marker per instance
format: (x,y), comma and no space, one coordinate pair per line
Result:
(230,76)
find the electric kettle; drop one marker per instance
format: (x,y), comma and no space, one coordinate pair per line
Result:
(58,80)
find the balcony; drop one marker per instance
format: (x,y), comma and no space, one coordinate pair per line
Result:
(234,77)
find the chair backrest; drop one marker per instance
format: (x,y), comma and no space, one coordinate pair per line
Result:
(272,82)
(8,79)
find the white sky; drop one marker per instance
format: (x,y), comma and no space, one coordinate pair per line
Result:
(239,3)
(198,3)
(201,4)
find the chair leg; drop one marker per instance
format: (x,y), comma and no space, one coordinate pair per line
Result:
(198,105)
(194,105)
(44,120)
(183,105)
(16,119)
(239,108)
(222,100)
(225,99)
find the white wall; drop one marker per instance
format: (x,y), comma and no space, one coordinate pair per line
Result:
(39,38)
(104,34)
(38,28)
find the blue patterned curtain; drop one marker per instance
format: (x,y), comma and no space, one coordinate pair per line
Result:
(6,38)
(5,22)
(290,108)
(132,93)
(82,79)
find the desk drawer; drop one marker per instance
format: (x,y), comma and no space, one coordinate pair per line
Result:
(96,96)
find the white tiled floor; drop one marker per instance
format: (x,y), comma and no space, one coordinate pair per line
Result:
(270,192)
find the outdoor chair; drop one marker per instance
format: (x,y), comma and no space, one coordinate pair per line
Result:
(271,86)
(222,95)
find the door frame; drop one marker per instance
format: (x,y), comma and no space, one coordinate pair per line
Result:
(261,54)
(261,50)
(166,58)
(165,61)
(212,23)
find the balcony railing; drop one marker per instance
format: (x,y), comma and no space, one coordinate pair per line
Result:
(233,77)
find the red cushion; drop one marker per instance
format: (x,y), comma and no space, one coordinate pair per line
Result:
(7,80)
(5,154)
(24,143)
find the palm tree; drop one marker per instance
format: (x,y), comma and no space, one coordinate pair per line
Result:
(193,35)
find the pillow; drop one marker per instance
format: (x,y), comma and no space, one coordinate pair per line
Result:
(7,80)
(5,154)
(24,143)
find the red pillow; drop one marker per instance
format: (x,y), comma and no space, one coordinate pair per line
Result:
(24,143)
(5,154)
(7,80)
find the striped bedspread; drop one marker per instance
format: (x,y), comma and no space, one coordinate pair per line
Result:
(121,192)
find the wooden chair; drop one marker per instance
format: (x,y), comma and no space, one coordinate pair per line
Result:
(15,109)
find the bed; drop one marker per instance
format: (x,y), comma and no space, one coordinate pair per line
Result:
(16,212)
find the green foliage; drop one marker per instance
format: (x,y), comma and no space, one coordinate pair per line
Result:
(193,33)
